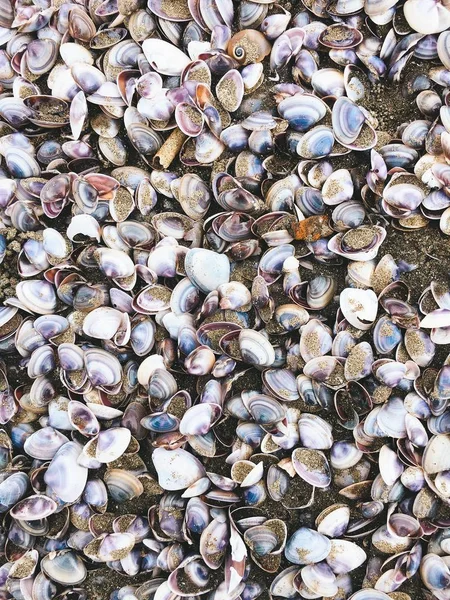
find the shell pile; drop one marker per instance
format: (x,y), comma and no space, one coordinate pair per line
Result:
(191,400)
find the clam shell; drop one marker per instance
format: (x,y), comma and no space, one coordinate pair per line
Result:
(64,567)
(44,443)
(102,323)
(255,348)
(65,476)
(206,269)
(307,546)
(177,469)
(34,508)
(312,466)
(111,444)
(359,307)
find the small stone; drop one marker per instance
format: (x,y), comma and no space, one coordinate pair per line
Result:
(206,269)
(312,229)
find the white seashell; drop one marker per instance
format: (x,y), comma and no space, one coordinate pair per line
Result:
(206,269)
(173,323)
(54,243)
(195,48)
(427,16)
(359,307)
(177,469)
(338,188)
(37,296)
(114,263)
(65,476)
(72,53)
(391,418)
(390,465)
(436,457)
(102,323)
(345,556)
(440,335)
(147,368)
(112,239)
(78,114)
(319,580)
(254,476)
(436,318)
(362,272)
(112,443)
(104,412)
(165,58)
(444,221)
(84,225)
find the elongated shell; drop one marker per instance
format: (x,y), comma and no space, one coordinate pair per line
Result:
(164,57)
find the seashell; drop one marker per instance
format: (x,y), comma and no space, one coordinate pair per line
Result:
(433,459)
(44,443)
(102,323)
(230,90)
(37,296)
(177,469)
(316,143)
(359,362)
(315,340)
(111,444)
(200,361)
(390,466)
(391,418)
(34,508)
(307,546)
(248,46)
(385,542)
(333,520)
(114,263)
(438,19)
(64,567)
(255,348)
(103,369)
(359,307)
(361,243)
(340,36)
(165,58)
(419,347)
(64,476)
(344,455)
(325,369)
(347,119)
(312,466)
(122,485)
(374,594)
(328,82)
(266,411)
(13,489)
(199,419)
(302,111)
(315,432)
(206,270)
(291,316)
(319,579)
(387,335)
(344,556)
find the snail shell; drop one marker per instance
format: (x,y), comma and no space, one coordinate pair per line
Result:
(249,46)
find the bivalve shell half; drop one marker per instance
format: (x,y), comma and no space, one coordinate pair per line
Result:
(255,348)
(307,546)
(359,307)
(177,469)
